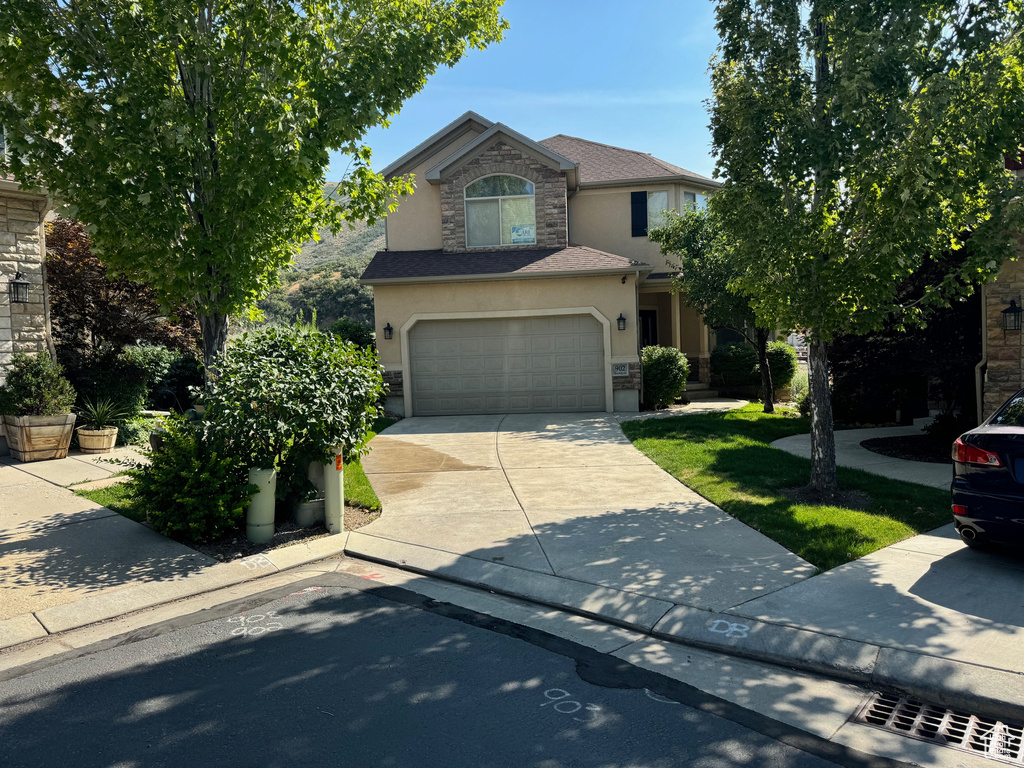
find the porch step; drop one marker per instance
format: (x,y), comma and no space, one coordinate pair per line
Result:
(704,393)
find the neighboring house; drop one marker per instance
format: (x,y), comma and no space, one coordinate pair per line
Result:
(24,326)
(519,276)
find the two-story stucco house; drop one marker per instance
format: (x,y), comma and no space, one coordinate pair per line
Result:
(519,276)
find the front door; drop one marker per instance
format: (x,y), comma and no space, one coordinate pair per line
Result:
(648,327)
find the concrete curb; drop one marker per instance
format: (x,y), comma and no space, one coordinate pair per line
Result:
(955,684)
(136,597)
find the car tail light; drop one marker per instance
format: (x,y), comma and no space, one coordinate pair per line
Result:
(959,509)
(969,454)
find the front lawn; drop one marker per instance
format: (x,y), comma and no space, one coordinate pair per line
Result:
(725,457)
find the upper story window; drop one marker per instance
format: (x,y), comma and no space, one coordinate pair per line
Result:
(690,199)
(500,210)
(648,211)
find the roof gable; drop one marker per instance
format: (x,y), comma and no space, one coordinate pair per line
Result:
(499,130)
(458,127)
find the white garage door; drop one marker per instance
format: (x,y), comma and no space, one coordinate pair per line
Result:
(507,365)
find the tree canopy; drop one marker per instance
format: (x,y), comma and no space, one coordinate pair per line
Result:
(192,138)
(856,138)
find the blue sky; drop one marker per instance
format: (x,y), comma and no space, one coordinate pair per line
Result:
(632,74)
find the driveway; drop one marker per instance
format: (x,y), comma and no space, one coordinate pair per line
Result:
(567,495)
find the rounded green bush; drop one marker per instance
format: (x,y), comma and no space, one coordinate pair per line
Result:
(734,365)
(36,386)
(782,361)
(665,372)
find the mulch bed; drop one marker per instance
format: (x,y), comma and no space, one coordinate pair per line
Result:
(236,547)
(911,448)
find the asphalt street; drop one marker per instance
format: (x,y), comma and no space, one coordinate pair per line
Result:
(361,676)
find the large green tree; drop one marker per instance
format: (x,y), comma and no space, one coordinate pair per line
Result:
(694,239)
(855,139)
(192,137)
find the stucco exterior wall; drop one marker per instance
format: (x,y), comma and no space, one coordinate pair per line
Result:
(396,304)
(23,327)
(502,157)
(602,219)
(416,225)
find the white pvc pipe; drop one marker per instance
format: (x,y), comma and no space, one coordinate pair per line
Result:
(259,520)
(334,493)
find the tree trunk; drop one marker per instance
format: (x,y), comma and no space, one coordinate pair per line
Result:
(767,389)
(215,341)
(823,438)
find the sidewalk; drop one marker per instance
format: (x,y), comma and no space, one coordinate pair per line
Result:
(66,562)
(849,453)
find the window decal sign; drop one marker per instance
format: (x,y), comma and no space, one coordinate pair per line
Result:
(523,233)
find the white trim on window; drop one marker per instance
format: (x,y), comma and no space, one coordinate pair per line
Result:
(498,198)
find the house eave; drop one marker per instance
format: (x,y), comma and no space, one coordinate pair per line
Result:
(693,181)
(553,159)
(507,276)
(438,141)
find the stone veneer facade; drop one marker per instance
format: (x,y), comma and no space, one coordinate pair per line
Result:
(500,157)
(1004,349)
(23,327)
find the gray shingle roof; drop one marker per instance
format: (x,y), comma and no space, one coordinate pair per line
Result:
(424,265)
(603,162)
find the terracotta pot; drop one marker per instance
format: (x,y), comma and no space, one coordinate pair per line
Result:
(33,438)
(96,440)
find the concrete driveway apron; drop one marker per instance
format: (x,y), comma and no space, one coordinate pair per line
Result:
(567,494)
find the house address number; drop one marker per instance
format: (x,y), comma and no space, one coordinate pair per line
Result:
(620,369)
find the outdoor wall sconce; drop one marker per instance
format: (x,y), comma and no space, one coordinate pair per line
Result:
(388,331)
(622,321)
(1012,317)
(18,288)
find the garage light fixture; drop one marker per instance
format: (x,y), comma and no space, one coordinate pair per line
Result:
(622,322)
(18,288)
(1012,317)
(388,331)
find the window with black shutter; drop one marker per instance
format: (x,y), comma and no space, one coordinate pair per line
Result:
(638,207)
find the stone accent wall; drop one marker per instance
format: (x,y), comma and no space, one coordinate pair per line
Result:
(633,381)
(23,327)
(1005,376)
(549,191)
(704,374)
(395,381)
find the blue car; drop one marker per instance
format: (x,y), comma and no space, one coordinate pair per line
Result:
(988,479)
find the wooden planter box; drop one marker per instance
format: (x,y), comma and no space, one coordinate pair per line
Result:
(97,440)
(32,438)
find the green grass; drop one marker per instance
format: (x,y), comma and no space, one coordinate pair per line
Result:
(725,457)
(358,491)
(117,498)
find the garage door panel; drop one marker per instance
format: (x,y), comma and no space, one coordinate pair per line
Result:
(501,365)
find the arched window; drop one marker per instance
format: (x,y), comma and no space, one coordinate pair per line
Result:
(500,211)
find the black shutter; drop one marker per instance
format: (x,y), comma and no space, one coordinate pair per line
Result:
(638,205)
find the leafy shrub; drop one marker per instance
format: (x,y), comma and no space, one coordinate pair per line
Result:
(284,397)
(136,431)
(782,362)
(734,365)
(108,377)
(799,385)
(36,386)
(349,330)
(948,426)
(665,373)
(803,403)
(189,490)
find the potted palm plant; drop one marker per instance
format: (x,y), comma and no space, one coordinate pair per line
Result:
(35,402)
(98,433)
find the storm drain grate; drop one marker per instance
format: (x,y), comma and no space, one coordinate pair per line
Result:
(979,735)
